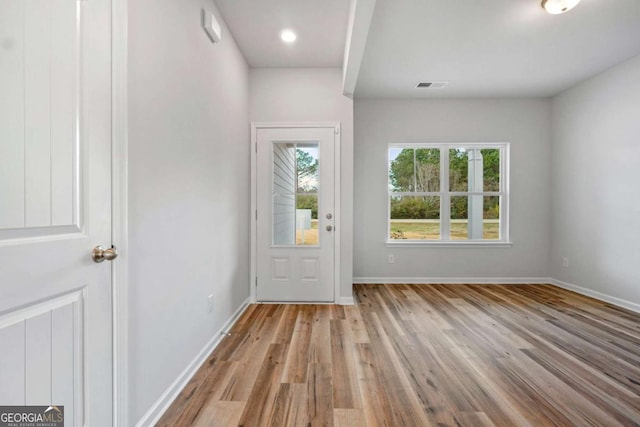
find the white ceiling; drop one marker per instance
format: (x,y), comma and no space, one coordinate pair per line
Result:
(493,48)
(488,48)
(321,27)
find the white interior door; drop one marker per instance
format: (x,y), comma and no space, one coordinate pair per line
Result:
(55,206)
(295,232)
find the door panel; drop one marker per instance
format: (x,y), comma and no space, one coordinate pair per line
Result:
(44,359)
(12,117)
(295,201)
(40,55)
(310,269)
(55,206)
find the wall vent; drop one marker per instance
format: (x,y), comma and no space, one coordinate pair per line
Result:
(432,85)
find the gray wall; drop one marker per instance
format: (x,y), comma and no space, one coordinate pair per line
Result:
(523,123)
(596,176)
(188,190)
(306,95)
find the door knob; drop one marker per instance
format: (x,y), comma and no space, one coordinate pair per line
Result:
(329,216)
(329,228)
(100,253)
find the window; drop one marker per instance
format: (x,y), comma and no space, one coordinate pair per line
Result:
(448,193)
(295,193)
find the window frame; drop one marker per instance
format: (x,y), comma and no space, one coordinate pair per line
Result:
(445,195)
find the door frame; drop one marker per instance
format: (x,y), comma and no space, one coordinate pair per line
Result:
(255,126)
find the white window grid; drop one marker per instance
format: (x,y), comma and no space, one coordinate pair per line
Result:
(445,195)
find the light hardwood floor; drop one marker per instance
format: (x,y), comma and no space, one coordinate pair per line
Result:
(421,355)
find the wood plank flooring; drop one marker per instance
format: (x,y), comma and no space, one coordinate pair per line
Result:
(423,355)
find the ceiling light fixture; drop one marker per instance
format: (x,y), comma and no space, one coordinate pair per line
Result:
(556,7)
(288,36)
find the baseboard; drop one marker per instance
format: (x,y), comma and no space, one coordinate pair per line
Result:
(597,295)
(453,280)
(166,399)
(345,301)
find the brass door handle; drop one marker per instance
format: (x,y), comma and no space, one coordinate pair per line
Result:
(100,253)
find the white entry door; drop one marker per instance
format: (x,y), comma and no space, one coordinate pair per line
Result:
(295,200)
(55,207)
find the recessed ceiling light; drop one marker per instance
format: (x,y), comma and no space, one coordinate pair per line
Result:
(288,36)
(555,7)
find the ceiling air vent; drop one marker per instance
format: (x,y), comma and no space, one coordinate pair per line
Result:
(432,85)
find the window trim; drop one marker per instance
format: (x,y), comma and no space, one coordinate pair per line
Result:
(445,195)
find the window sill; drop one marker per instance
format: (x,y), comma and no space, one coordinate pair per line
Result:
(450,244)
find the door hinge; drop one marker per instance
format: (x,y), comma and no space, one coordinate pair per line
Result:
(256,214)
(256,281)
(337,131)
(255,144)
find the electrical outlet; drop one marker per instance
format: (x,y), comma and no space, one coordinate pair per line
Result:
(210,301)
(392,259)
(565,262)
